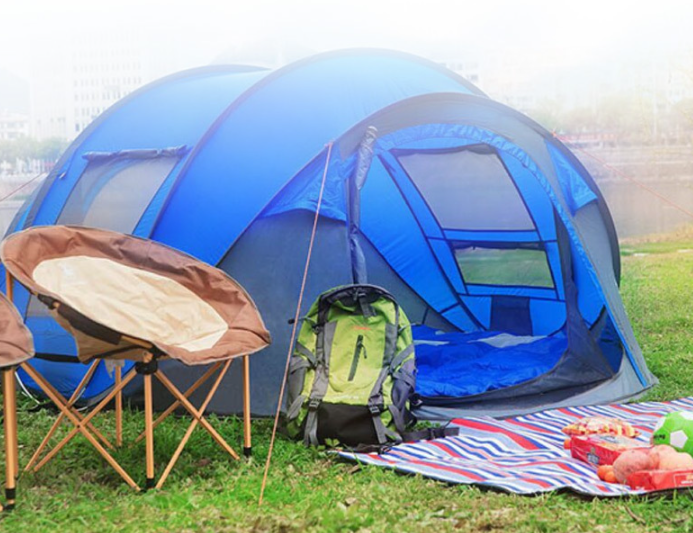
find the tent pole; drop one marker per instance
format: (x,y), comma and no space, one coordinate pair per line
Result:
(364,158)
(296,321)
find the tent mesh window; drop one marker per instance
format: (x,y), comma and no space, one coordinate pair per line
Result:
(517,266)
(113,192)
(468,189)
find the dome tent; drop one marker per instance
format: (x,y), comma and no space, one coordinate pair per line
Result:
(489,232)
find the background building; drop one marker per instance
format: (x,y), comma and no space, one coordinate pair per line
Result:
(75,81)
(13,125)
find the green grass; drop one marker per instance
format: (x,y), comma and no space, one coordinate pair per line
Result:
(310,491)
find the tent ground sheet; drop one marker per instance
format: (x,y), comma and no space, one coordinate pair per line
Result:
(523,455)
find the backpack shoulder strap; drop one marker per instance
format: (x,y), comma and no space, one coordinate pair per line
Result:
(376,403)
(323,346)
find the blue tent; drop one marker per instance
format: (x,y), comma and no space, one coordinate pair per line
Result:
(492,235)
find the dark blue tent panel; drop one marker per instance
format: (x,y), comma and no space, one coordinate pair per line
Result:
(492,235)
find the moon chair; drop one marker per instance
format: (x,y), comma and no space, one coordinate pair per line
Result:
(127,298)
(16,346)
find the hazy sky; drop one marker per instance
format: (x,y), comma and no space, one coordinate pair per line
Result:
(584,32)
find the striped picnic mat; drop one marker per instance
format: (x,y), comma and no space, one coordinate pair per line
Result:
(523,455)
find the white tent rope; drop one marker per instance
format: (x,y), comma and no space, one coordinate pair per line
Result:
(15,191)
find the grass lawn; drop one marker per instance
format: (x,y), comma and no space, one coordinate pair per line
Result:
(308,491)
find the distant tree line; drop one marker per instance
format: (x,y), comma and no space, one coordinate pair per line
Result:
(28,148)
(622,120)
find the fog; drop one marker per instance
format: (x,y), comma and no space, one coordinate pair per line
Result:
(615,73)
(194,33)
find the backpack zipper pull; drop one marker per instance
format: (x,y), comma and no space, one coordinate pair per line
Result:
(355,360)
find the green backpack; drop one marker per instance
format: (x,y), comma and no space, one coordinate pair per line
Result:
(352,370)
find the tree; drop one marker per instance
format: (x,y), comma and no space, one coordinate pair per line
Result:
(26,148)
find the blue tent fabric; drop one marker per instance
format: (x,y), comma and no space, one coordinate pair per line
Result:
(343,87)
(477,219)
(574,188)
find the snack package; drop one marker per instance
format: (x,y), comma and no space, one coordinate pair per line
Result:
(600,425)
(601,449)
(661,479)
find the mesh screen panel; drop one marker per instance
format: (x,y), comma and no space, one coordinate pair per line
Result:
(508,267)
(113,194)
(468,190)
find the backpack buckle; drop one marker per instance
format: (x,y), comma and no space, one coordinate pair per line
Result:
(313,403)
(376,409)
(415,401)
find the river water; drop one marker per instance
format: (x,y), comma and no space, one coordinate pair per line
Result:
(7,210)
(638,212)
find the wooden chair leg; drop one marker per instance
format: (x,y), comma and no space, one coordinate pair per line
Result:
(193,424)
(61,416)
(61,404)
(119,406)
(247,443)
(10,426)
(10,402)
(81,425)
(149,431)
(84,423)
(194,412)
(13,387)
(200,381)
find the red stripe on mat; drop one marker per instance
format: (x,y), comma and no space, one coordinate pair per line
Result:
(476,477)
(445,448)
(473,424)
(529,426)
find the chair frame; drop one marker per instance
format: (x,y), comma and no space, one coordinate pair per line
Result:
(148,368)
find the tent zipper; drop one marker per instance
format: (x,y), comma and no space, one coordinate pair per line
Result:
(357,353)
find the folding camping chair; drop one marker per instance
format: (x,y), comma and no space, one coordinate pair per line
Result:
(16,346)
(123,297)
